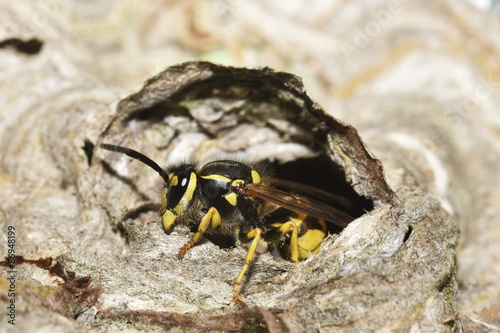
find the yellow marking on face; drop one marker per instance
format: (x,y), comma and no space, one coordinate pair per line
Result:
(168,219)
(188,195)
(174,180)
(163,201)
(255,177)
(231,198)
(217,178)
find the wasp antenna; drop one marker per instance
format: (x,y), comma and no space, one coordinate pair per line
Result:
(138,156)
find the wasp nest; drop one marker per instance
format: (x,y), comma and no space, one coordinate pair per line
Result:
(392,267)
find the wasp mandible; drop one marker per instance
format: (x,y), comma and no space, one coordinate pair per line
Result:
(238,201)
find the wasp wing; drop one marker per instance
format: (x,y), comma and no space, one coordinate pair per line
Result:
(298,203)
(312,192)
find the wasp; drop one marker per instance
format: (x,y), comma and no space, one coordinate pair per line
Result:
(237,201)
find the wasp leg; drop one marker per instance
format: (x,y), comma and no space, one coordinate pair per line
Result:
(211,219)
(293,225)
(255,234)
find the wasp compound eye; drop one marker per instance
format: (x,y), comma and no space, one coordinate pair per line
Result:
(182,186)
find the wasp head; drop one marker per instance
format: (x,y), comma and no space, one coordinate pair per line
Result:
(177,195)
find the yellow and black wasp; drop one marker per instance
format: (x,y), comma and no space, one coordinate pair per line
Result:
(237,201)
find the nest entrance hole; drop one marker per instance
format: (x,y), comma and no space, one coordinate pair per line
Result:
(323,174)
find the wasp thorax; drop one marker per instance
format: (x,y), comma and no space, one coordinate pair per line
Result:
(211,188)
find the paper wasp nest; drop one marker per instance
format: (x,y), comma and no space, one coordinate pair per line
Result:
(391,268)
